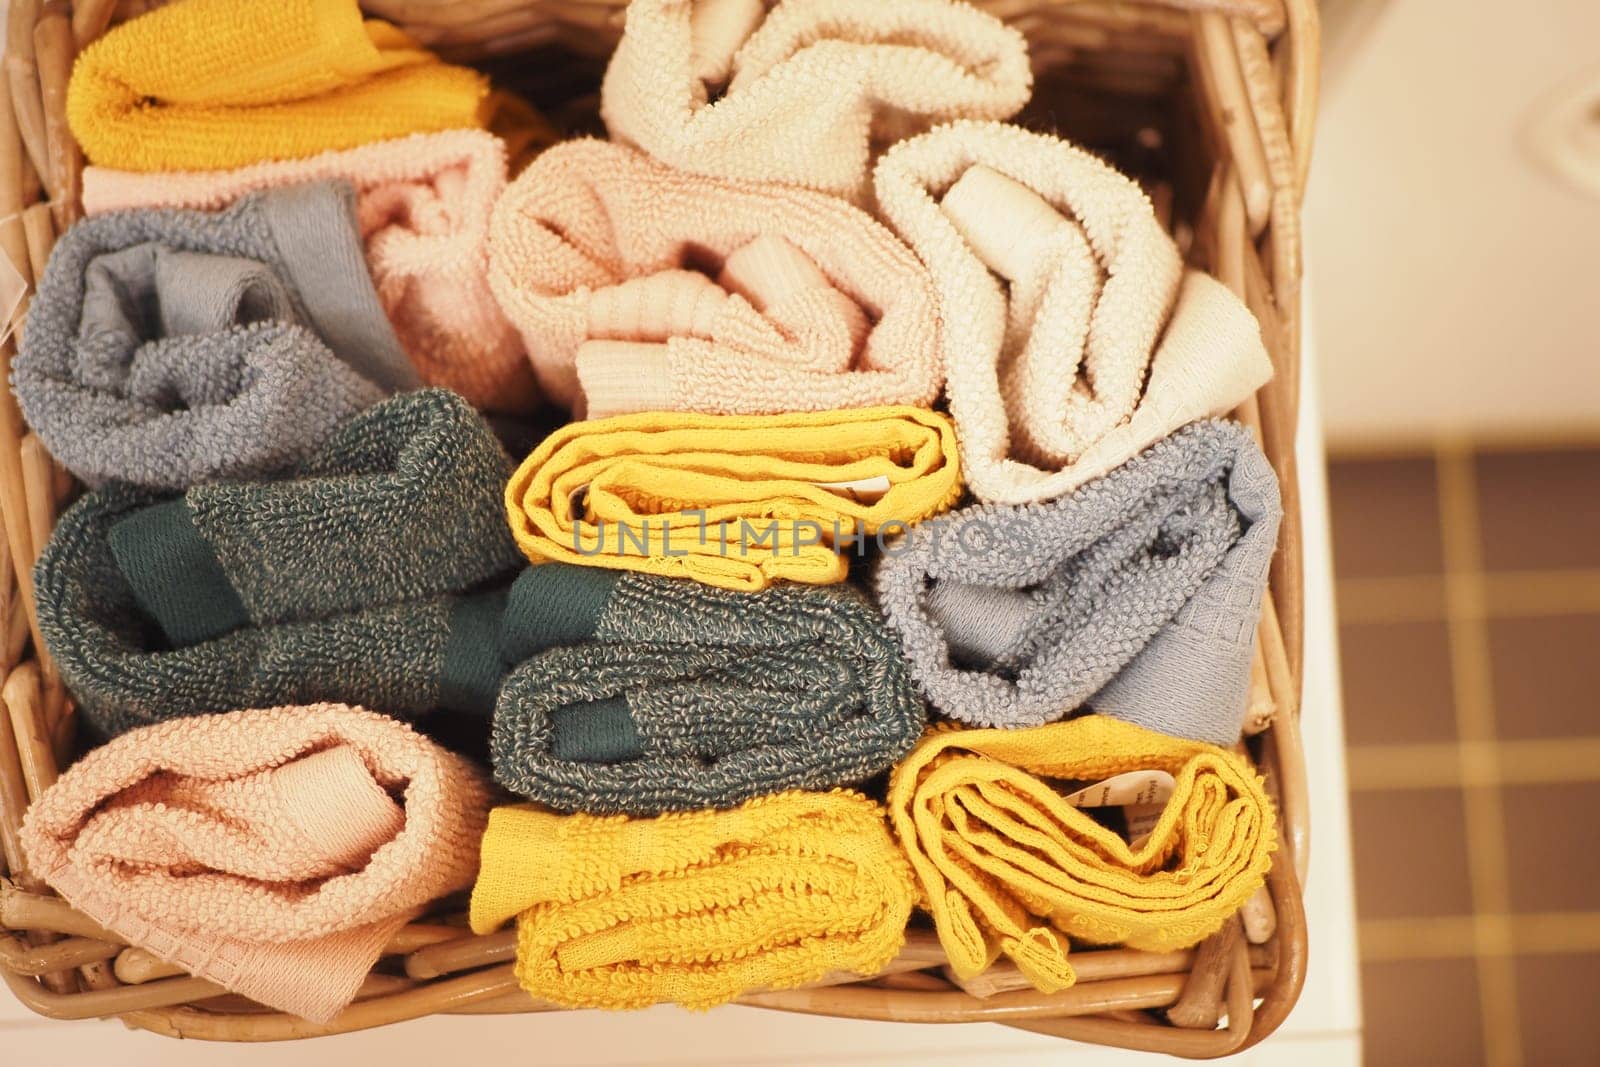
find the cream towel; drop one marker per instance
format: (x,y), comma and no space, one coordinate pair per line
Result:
(807,89)
(423,205)
(805,303)
(1073,336)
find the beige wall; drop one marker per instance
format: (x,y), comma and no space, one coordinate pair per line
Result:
(1456,283)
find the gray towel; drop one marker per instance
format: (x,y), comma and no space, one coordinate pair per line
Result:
(638,694)
(168,348)
(1137,595)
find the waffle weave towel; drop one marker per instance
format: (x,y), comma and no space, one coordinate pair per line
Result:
(423,205)
(167,348)
(272,851)
(210,84)
(1073,337)
(695,907)
(1008,867)
(641,288)
(402,504)
(802,91)
(733,501)
(644,695)
(1139,594)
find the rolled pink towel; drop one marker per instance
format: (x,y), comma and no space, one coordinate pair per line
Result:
(1073,337)
(423,203)
(272,851)
(638,287)
(803,92)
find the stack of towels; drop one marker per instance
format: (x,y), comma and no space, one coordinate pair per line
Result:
(890,513)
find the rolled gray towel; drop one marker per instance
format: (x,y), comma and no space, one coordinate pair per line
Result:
(638,694)
(1137,595)
(168,348)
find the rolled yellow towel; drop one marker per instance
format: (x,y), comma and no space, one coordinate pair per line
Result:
(694,907)
(736,501)
(1009,867)
(210,84)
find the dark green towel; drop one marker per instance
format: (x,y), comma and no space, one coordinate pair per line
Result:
(638,694)
(405,502)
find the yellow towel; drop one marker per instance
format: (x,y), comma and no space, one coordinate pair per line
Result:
(1007,866)
(735,501)
(695,907)
(208,84)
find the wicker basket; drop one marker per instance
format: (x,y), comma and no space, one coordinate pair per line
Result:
(1209,102)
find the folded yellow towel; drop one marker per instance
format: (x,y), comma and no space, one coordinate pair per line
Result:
(735,501)
(209,84)
(695,907)
(1009,867)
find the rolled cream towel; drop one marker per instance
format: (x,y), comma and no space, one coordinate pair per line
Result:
(403,503)
(733,501)
(1073,337)
(697,907)
(803,91)
(1009,867)
(212,84)
(167,348)
(641,288)
(1138,594)
(274,852)
(423,204)
(638,695)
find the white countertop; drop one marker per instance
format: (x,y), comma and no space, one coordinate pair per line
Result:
(1323,1031)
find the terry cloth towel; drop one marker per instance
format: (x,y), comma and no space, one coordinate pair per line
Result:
(167,348)
(403,503)
(1009,867)
(1139,594)
(423,204)
(272,851)
(731,500)
(644,694)
(803,92)
(641,288)
(123,673)
(695,907)
(1073,337)
(211,84)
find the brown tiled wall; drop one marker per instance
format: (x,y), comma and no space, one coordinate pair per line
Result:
(1469,610)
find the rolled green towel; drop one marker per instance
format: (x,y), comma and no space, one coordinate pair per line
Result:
(637,694)
(385,597)
(403,503)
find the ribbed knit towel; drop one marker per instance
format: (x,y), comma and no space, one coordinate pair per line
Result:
(1139,594)
(1073,337)
(641,288)
(804,92)
(209,84)
(731,500)
(694,907)
(403,503)
(272,851)
(1009,867)
(167,348)
(646,695)
(423,205)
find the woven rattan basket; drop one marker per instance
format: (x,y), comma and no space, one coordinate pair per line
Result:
(1209,102)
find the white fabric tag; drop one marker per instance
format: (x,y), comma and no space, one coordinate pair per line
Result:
(862,490)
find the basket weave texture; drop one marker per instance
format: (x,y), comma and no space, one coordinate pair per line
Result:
(1210,103)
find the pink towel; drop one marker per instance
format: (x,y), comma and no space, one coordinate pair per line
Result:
(423,203)
(273,851)
(642,288)
(804,92)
